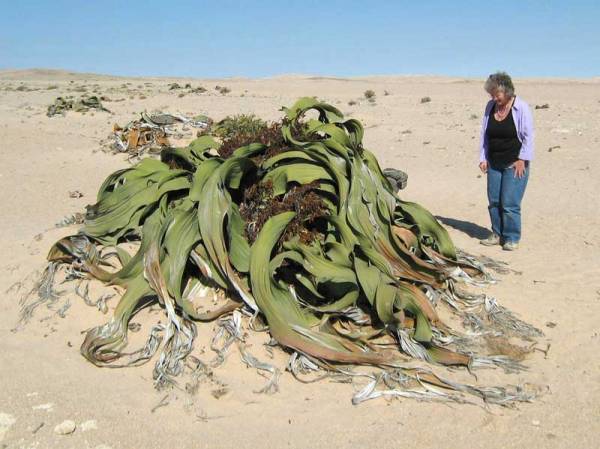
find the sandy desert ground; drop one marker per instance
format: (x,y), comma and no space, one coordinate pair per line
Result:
(555,282)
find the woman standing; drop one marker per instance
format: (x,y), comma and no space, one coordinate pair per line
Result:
(506,151)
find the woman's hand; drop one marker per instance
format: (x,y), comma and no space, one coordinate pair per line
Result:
(519,168)
(483,166)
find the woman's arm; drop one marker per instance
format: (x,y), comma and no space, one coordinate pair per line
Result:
(483,145)
(526,134)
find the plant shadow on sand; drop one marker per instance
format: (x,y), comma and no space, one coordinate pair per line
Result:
(471,229)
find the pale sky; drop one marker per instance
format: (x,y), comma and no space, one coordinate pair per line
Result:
(321,37)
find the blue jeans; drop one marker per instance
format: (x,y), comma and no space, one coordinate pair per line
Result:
(505,193)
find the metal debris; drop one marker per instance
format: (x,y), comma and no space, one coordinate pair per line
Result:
(150,133)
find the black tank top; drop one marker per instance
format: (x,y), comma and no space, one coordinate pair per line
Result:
(503,144)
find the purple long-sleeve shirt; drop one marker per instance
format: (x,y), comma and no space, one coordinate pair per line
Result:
(523,119)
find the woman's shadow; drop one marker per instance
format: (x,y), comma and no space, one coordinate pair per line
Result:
(471,229)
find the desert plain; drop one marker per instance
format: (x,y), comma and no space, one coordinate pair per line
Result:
(553,283)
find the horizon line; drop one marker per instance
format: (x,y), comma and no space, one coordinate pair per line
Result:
(333,77)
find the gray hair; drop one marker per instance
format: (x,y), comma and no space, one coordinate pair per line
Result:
(500,81)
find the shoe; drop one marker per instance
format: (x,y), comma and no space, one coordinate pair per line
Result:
(493,239)
(510,246)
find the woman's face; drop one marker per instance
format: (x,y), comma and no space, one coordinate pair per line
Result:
(500,97)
